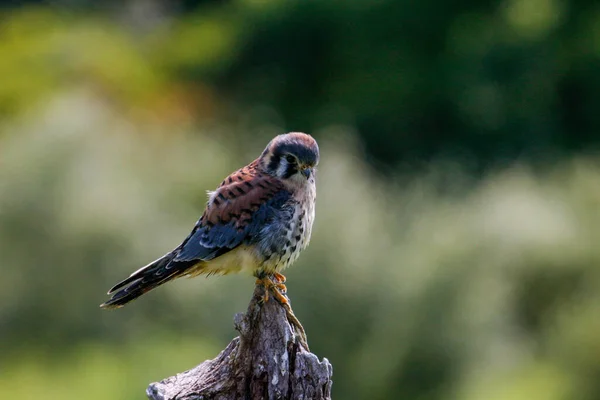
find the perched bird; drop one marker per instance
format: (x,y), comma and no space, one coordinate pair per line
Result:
(257,220)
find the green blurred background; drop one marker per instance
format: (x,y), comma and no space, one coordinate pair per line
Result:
(455,251)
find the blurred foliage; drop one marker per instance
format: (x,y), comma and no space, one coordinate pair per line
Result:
(427,281)
(98,371)
(489,82)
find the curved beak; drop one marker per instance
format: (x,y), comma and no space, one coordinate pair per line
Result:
(306,172)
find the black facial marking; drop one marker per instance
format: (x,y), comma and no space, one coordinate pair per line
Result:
(306,155)
(274,162)
(291,170)
(296,150)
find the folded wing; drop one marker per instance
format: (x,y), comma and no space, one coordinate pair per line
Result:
(236,212)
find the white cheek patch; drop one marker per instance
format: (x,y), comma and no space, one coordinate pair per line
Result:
(282,168)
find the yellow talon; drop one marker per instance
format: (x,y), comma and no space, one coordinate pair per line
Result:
(279,277)
(279,296)
(278,289)
(281,287)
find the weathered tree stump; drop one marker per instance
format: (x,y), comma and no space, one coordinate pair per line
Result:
(267,361)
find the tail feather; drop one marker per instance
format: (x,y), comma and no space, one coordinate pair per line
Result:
(140,272)
(145,279)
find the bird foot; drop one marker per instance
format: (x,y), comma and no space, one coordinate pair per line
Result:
(277,288)
(279,278)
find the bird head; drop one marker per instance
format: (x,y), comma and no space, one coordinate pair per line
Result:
(291,156)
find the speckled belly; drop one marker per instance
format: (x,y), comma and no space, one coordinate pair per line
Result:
(292,238)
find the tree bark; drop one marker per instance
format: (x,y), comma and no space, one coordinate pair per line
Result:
(269,360)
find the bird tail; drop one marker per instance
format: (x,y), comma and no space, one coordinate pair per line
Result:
(145,279)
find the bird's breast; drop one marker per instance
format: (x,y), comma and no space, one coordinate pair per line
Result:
(284,244)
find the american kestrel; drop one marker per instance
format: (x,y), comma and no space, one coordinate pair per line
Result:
(258,220)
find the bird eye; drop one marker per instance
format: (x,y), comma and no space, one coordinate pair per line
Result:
(290,159)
